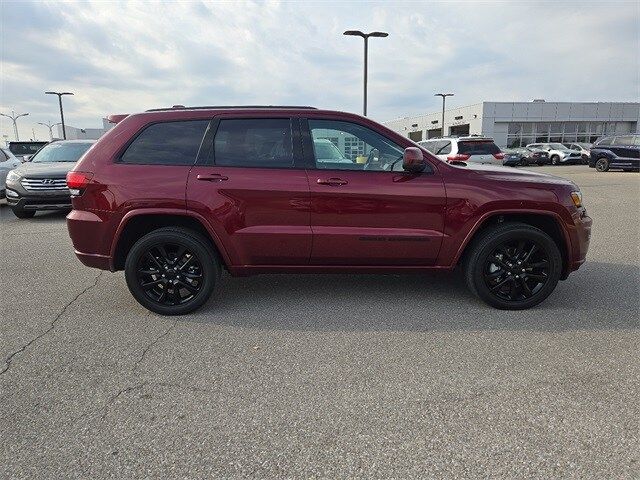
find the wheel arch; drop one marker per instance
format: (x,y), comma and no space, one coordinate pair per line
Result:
(548,222)
(138,223)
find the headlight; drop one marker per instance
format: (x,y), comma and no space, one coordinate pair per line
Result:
(13,176)
(577,198)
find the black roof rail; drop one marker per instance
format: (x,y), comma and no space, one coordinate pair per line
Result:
(215,107)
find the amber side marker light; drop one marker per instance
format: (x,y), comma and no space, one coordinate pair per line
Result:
(577,198)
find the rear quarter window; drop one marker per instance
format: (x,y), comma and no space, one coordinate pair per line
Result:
(478,148)
(167,143)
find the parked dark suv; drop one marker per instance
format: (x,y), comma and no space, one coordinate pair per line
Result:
(173,196)
(621,152)
(40,184)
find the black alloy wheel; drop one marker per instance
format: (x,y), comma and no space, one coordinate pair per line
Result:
(512,266)
(172,271)
(516,270)
(169,274)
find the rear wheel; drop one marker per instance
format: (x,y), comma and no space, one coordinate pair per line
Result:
(171,271)
(513,266)
(22,213)
(602,164)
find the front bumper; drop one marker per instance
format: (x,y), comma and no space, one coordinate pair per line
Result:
(38,201)
(580,240)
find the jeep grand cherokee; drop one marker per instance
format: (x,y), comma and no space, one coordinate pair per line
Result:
(173,196)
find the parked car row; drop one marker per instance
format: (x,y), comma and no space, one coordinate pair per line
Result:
(619,152)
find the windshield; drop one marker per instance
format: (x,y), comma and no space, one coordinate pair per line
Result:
(327,151)
(60,152)
(556,146)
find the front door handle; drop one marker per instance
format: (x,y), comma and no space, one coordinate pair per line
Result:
(212,177)
(336,182)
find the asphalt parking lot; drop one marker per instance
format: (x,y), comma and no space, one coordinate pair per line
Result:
(323,376)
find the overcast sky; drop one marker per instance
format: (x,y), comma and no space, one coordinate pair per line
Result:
(128,57)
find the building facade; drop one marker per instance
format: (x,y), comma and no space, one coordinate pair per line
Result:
(75,133)
(513,124)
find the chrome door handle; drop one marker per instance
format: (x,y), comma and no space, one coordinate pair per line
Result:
(212,177)
(335,182)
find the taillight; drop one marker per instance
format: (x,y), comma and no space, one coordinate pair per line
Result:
(499,156)
(458,157)
(77,182)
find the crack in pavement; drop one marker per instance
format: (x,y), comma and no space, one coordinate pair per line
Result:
(152,344)
(113,398)
(52,325)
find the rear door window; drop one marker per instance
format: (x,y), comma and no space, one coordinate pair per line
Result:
(248,142)
(167,143)
(477,148)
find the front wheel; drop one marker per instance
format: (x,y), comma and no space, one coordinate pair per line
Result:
(171,271)
(555,160)
(513,266)
(602,164)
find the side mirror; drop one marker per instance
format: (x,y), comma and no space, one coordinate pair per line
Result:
(412,160)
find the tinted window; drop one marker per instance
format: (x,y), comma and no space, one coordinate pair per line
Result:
(358,147)
(478,148)
(168,143)
(61,152)
(254,143)
(605,141)
(428,145)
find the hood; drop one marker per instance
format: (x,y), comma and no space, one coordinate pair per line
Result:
(510,174)
(45,170)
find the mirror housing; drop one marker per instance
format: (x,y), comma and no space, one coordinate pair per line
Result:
(412,160)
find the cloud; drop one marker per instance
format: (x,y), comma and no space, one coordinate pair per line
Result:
(127,57)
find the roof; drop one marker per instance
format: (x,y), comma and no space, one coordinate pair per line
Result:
(230,107)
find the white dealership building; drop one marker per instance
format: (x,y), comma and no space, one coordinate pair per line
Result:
(520,123)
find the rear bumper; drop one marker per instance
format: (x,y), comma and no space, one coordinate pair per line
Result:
(90,234)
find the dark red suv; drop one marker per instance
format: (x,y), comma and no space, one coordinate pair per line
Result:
(173,196)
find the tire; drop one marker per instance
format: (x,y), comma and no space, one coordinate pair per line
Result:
(507,288)
(602,164)
(21,213)
(555,160)
(524,162)
(171,280)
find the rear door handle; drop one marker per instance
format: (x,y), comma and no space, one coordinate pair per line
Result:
(332,181)
(212,177)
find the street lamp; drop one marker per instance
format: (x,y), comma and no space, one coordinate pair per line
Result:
(13,118)
(50,127)
(444,96)
(60,94)
(365,36)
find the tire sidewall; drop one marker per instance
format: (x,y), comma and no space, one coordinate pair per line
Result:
(542,240)
(204,255)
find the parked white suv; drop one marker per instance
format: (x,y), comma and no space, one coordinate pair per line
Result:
(558,153)
(465,149)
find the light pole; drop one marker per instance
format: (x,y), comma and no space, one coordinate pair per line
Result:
(365,36)
(444,96)
(13,118)
(60,94)
(50,127)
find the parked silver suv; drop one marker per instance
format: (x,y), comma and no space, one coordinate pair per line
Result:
(559,154)
(41,183)
(472,149)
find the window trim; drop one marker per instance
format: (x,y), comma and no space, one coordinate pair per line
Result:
(206,155)
(118,157)
(309,155)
